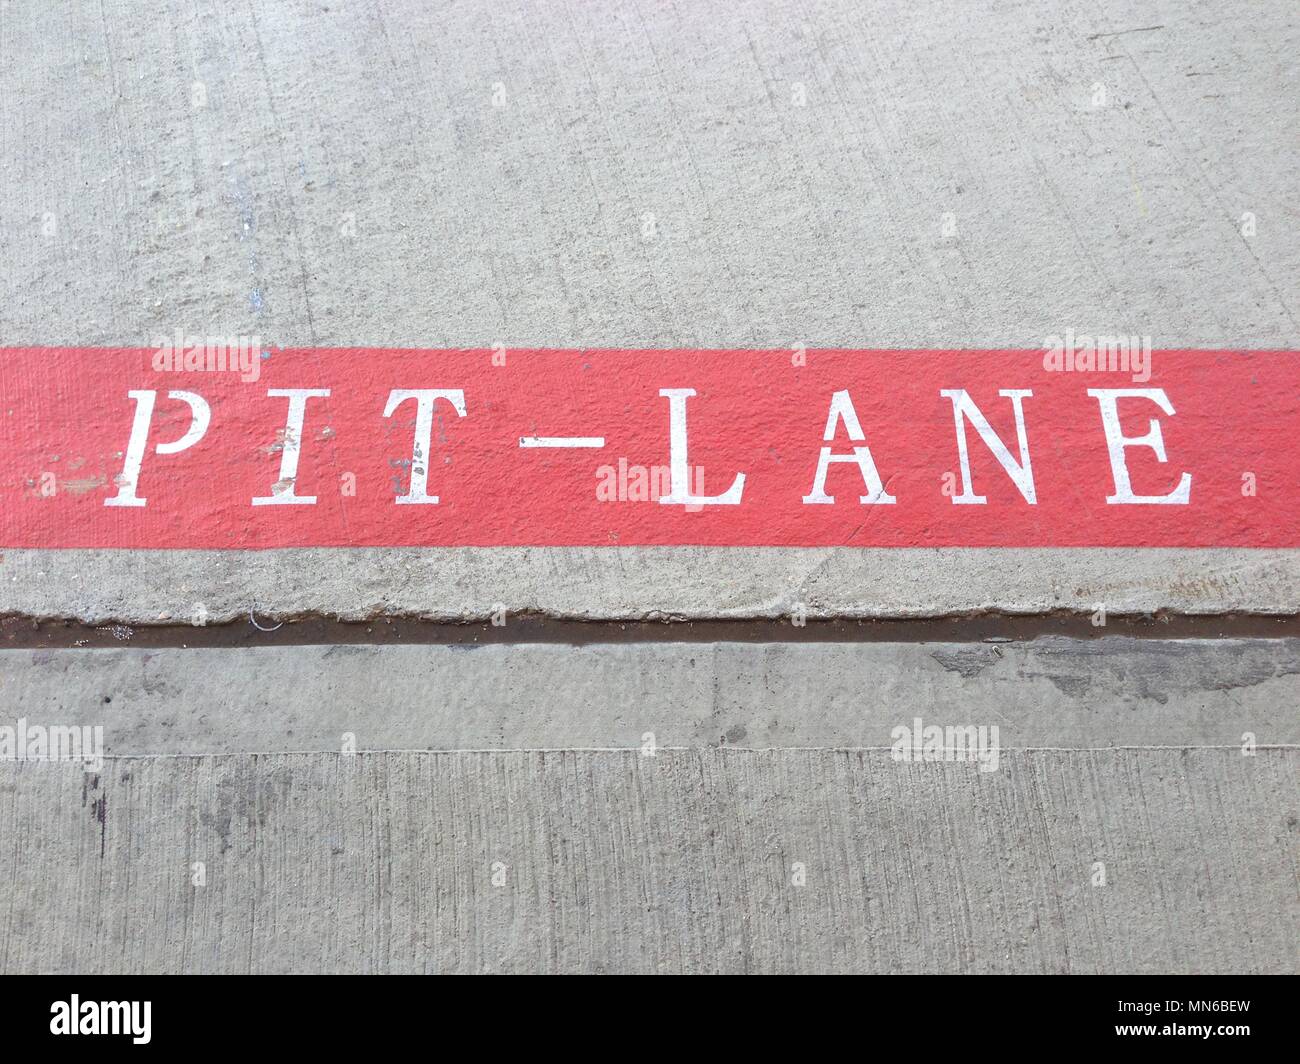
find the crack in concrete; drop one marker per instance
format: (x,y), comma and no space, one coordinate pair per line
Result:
(982,628)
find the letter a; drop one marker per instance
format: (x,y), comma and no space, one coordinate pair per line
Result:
(842,408)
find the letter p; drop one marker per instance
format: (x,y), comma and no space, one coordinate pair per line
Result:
(200,415)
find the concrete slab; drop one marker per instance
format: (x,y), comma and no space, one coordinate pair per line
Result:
(383,174)
(783,853)
(459,584)
(1056,693)
(900,174)
(684,862)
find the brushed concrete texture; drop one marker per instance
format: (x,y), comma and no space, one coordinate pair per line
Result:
(201,159)
(1051,692)
(1117,751)
(898,173)
(686,861)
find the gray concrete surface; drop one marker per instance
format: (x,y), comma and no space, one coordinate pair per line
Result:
(682,862)
(751,839)
(635,583)
(775,224)
(1051,692)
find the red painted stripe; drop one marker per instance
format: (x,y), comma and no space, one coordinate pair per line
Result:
(67,419)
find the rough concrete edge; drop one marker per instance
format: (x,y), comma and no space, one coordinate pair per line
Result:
(467,585)
(559,622)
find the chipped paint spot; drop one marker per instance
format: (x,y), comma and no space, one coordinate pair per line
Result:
(82,485)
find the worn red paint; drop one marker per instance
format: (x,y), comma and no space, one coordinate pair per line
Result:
(67,418)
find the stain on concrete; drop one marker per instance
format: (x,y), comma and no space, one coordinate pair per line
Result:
(967,661)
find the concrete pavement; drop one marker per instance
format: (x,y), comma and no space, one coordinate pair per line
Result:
(840,174)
